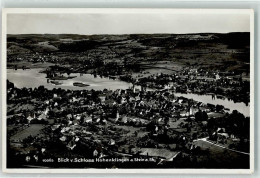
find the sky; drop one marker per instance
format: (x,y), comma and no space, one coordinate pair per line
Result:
(89,24)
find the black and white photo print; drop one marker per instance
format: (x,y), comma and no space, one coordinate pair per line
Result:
(128,90)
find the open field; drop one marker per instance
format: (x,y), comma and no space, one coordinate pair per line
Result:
(132,130)
(221,155)
(27,64)
(32,130)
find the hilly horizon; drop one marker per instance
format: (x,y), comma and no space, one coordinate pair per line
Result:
(189,49)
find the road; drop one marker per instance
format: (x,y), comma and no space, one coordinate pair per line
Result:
(205,140)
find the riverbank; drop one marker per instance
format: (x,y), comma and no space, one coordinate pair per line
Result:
(34,78)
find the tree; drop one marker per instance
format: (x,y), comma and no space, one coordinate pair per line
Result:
(201,116)
(166,120)
(219,108)
(68,72)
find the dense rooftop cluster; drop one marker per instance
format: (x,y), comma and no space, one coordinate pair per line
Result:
(121,123)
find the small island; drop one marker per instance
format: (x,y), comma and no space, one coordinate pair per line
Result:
(56,82)
(78,84)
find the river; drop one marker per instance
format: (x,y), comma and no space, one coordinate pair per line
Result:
(241,107)
(33,78)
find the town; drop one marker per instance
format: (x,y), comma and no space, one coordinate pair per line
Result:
(146,121)
(119,123)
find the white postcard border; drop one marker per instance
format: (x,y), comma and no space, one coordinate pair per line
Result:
(6,11)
